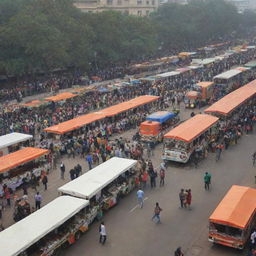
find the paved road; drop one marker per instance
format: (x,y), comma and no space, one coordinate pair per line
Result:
(131,231)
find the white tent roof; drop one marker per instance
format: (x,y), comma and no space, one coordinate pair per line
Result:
(228,74)
(203,61)
(13,138)
(26,232)
(168,74)
(90,183)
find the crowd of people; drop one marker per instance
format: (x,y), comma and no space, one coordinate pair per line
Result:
(34,120)
(94,143)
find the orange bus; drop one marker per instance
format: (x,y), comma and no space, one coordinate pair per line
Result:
(152,130)
(200,94)
(189,136)
(234,218)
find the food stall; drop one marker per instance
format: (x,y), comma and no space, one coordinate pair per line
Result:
(21,164)
(105,184)
(43,233)
(12,141)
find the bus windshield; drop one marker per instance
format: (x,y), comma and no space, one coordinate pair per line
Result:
(225,230)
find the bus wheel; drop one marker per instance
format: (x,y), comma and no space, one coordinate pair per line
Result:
(78,235)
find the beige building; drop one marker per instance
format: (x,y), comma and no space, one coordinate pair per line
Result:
(131,7)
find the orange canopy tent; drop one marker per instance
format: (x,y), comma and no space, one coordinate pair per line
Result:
(95,116)
(192,128)
(192,94)
(125,106)
(61,96)
(34,103)
(233,100)
(20,157)
(236,208)
(75,123)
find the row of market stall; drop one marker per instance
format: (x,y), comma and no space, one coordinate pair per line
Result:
(197,132)
(81,201)
(198,64)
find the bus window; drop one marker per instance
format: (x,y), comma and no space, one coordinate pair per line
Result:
(234,231)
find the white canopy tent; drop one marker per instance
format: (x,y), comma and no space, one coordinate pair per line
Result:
(168,74)
(28,231)
(92,182)
(202,62)
(12,139)
(228,74)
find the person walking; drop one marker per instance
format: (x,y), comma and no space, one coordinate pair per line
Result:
(207,180)
(182,197)
(72,174)
(156,215)
(78,170)
(38,200)
(162,176)
(140,197)
(62,170)
(178,252)
(103,234)
(144,179)
(219,149)
(89,160)
(188,198)
(45,181)
(7,194)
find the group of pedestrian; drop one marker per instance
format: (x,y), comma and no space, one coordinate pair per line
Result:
(185,197)
(75,172)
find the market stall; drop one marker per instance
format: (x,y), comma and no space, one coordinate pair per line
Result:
(42,232)
(104,184)
(10,142)
(20,165)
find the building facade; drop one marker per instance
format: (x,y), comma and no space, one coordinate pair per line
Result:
(129,7)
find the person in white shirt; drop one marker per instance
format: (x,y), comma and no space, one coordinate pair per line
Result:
(103,234)
(140,196)
(253,236)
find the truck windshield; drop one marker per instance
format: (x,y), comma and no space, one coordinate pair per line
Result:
(225,230)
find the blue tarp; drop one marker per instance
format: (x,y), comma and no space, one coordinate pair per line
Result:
(160,116)
(102,89)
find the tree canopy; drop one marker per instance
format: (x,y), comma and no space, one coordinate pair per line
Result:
(42,35)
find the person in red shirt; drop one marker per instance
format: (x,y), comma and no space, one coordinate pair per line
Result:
(188,198)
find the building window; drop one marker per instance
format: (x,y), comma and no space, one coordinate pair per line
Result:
(139,2)
(153,2)
(139,13)
(147,2)
(119,2)
(147,13)
(109,2)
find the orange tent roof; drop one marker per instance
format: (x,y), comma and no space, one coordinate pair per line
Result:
(20,157)
(125,106)
(192,128)
(233,100)
(75,123)
(34,103)
(61,96)
(205,84)
(236,207)
(95,116)
(192,94)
